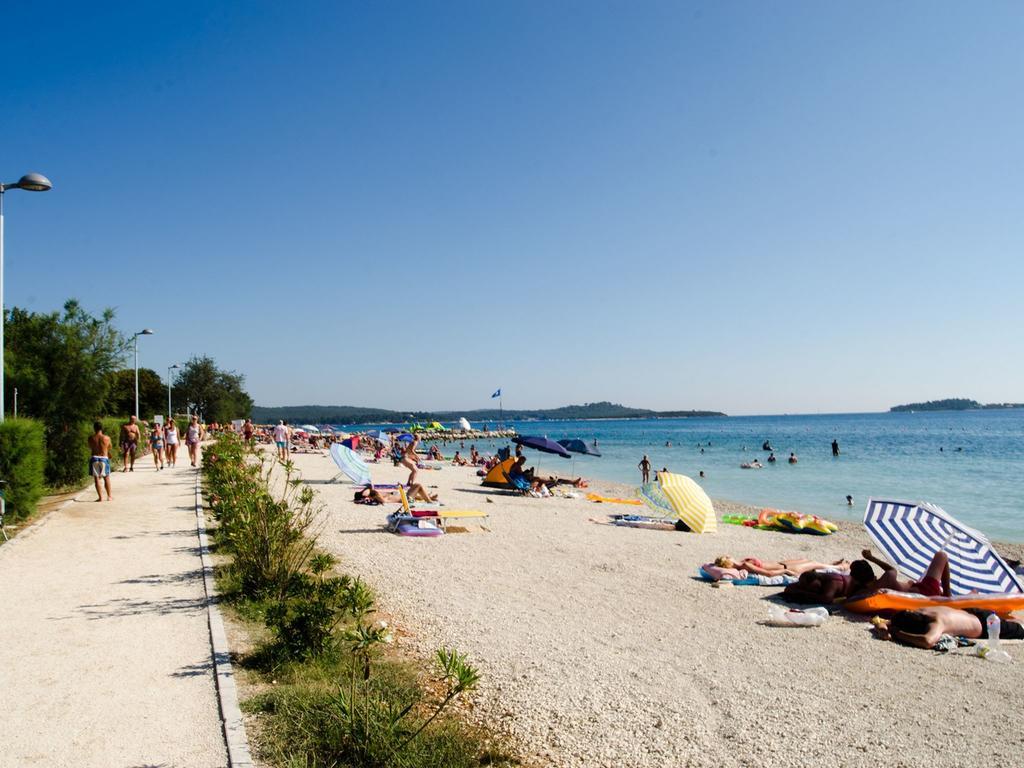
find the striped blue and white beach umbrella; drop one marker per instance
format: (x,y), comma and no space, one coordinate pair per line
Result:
(910,533)
(348,461)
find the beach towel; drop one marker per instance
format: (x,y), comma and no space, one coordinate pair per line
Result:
(609,500)
(707,570)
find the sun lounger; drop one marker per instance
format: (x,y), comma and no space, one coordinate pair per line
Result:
(441,514)
(518,483)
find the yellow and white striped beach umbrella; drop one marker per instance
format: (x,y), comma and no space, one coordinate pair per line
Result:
(689,502)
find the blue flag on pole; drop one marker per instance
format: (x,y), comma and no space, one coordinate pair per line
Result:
(496,394)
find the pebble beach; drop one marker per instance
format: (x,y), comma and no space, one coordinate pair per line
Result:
(599,646)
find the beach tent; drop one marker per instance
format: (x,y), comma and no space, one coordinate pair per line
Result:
(464,423)
(496,477)
(687,501)
(910,533)
(350,464)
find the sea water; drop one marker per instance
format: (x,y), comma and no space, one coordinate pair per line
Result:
(971,463)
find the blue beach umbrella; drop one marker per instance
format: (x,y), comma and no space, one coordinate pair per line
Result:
(542,444)
(575,445)
(910,533)
(406,438)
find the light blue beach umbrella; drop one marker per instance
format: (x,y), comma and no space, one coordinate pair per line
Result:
(350,464)
(655,498)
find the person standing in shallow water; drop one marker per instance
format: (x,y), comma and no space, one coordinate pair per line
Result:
(835,447)
(645,468)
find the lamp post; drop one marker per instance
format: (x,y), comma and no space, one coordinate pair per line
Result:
(30,182)
(143,332)
(169,374)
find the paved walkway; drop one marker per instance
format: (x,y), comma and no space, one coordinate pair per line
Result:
(104,642)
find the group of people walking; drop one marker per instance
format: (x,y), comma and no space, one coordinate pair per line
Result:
(163,440)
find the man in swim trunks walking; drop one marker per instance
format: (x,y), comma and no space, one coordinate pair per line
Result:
(99,463)
(129,444)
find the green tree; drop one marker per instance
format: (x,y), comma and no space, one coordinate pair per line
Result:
(121,397)
(61,364)
(215,394)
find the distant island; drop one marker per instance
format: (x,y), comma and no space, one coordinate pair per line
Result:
(349,414)
(952,404)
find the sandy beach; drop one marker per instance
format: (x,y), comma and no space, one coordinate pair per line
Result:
(599,647)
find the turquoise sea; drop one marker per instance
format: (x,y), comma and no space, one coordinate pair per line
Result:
(977,476)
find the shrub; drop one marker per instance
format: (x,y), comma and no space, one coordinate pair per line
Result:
(266,535)
(67,455)
(22,461)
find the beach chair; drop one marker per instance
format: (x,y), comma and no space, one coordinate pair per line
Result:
(518,484)
(443,516)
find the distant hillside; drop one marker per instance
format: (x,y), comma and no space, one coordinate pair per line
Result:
(952,404)
(347,414)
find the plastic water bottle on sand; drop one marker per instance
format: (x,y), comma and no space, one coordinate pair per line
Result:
(991,650)
(809,617)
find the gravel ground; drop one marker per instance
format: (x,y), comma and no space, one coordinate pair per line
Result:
(104,645)
(600,648)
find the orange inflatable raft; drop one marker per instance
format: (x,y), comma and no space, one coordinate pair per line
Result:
(889,600)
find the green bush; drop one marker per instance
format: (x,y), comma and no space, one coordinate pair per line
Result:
(22,460)
(264,534)
(67,456)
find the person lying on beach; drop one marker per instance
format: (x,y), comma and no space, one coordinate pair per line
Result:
(791,567)
(458,461)
(371,495)
(825,587)
(552,481)
(924,627)
(935,581)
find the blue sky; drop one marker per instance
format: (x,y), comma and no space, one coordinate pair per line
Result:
(757,208)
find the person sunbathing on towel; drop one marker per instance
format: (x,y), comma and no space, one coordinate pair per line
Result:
(458,461)
(935,581)
(791,567)
(371,495)
(924,627)
(825,587)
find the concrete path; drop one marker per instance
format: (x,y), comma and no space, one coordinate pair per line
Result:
(104,643)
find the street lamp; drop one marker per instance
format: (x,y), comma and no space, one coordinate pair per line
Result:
(169,374)
(143,332)
(30,182)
